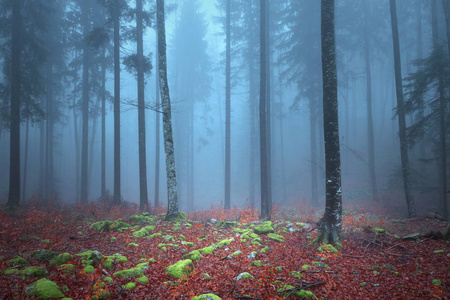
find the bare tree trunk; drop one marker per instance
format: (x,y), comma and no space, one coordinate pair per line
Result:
(446,6)
(331,222)
(42,153)
(49,187)
(143,202)
(265,205)
(401,112)
(268,106)
(14,146)
(419,56)
(116,21)
(313,147)
(77,148)
(157,129)
(103,150)
(92,142)
(227,108)
(252,105)
(25,163)
(172,207)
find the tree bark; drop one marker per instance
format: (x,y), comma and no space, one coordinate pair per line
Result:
(49,180)
(331,222)
(116,20)
(25,162)
(103,146)
(14,150)
(227,107)
(401,113)
(143,199)
(157,127)
(268,105)
(313,146)
(172,207)
(265,205)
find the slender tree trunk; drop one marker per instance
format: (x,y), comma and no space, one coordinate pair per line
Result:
(14,146)
(172,207)
(419,56)
(141,110)
(191,159)
(313,138)
(42,153)
(268,106)
(401,113)
(92,142)
(157,128)
(103,150)
(331,223)
(370,136)
(252,105)
(49,188)
(77,148)
(85,107)
(446,6)
(116,20)
(227,107)
(25,163)
(265,205)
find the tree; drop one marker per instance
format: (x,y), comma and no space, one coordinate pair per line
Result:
(331,223)
(265,205)
(227,105)
(172,205)
(401,113)
(116,22)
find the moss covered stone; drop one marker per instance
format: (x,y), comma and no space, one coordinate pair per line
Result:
(276,237)
(193,255)
(142,218)
(61,259)
(34,272)
(143,279)
(189,244)
(207,297)
(328,248)
(154,235)
(108,280)
(143,266)
(130,273)
(43,254)
(133,245)
(120,225)
(244,275)
(224,243)
(11,271)
(44,289)
(227,224)
(264,228)
(18,262)
(66,268)
(89,269)
(180,269)
(379,230)
(91,257)
(256,263)
(206,250)
(102,225)
(265,249)
(129,285)
(108,263)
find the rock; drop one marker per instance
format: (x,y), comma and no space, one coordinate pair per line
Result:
(61,259)
(244,275)
(256,263)
(252,255)
(89,269)
(207,297)
(44,289)
(276,237)
(207,250)
(130,273)
(129,285)
(264,228)
(180,269)
(265,249)
(228,224)
(193,255)
(44,254)
(213,221)
(412,237)
(143,279)
(18,262)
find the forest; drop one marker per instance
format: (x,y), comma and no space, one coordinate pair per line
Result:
(224,149)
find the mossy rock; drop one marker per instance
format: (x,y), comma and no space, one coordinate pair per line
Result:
(89,269)
(189,244)
(119,225)
(61,259)
(193,255)
(18,262)
(377,230)
(207,297)
(133,245)
(66,268)
(108,279)
(142,218)
(328,248)
(44,289)
(303,294)
(143,266)
(296,274)
(242,230)
(107,263)
(181,237)
(11,271)
(141,233)
(42,254)
(119,258)
(154,235)
(244,275)
(276,237)
(227,224)
(102,225)
(130,273)
(265,249)
(264,228)
(256,263)
(206,250)
(180,216)
(206,276)
(129,285)
(91,257)
(143,279)
(180,269)
(34,272)
(224,243)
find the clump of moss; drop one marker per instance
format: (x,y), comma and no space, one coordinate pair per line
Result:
(42,254)
(129,285)
(142,218)
(180,268)
(89,269)
(256,263)
(143,279)
(276,237)
(206,250)
(207,297)
(264,228)
(193,255)
(18,262)
(102,225)
(130,273)
(66,268)
(265,249)
(328,248)
(44,289)
(61,259)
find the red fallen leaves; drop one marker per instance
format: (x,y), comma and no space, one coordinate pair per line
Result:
(367,267)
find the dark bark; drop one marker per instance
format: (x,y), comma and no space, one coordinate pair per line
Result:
(103,146)
(446,6)
(116,21)
(42,153)
(227,107)
(49,180)
(401,113)
(331,222)
(265,205)
(14,150)
(172,205)
(313,147)
(77,150)
(157,128)
(420,56)
(143,199)
(25,163)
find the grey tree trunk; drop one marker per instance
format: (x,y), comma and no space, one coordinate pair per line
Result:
(143,199)
(265,205)
(85,107)
(370,135)
(401,113)
(42,154)
(227,107)
(25,163)
(103,146)
(14,146)
(77,149)
(419,56)
(172,205)
(252,105)
(313,147)
(268,106)
(157,128)
(116,20)
(49,180)
(331,222)
(446,6)
(92,142)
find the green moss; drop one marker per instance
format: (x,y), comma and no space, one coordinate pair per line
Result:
(34,272)
(143,279)
(244,275)
(120,225)
(265,249)
(91,257)
(113,239)
(11,271)
(193,255)
(46,241)
(379,230)
(43,255)
(227,224)
(167,245)
(130,273)
(108,263)
(129,285)
(189,244)
(102,225)
(141,233)
(256,263)
(276,237)
(142,218)
(143,266)
(133,245)
(264,228)
(436,282)
(44,289)
(154,235)
(108,280)
(89,269)
(296,274)
(328,248)
(168,238)
(18,262)
(206,276)
(207,297)
(119,258)
(181,237)
(306,267)
(180,269)
(438,251)
(66,268)
(241,230)
(235,253)
(61,259)
(224,243)
(256,242)
(207,250)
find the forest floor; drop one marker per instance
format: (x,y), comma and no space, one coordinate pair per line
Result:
(371,264)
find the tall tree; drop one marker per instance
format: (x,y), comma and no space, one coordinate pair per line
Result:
(14,168)
(265,205)
(401,112)
(331,222)
(228,105)
(157,126)
(172,205)
(116,22)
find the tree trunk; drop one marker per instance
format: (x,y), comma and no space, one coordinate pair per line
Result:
(14,146)
(265,205)
(116,20)
(370,136)
(401,113)
(77,149)
(419,56)
(172,207)
(446,6)
(313,147)
(42,153)
(252,105)
(268,106)
(92,142)
(49,188)
(191,159)
(157,127)
(103,150)
(331,222)
(85,107)
(143,202)
(227,107)
(25,162)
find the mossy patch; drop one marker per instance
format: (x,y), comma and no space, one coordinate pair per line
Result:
(108,279)
(276,237)
(61,259)
(180,268)
(18,262)
(91,257)
(133,245)
(143,266)
(44,289)
(142,218)
(244,275)
(189,244)
(264,228)
(129,285)
(66,268)
(256,263)
(130,273)
(193,255)
(227,224)
(327,248)
(42,254)
(143,279)
(224,243)
(206,250)
(102,225)
(436,282)
(11,271)
(89,269)
(303,294)
(377,230)
(265,249)
(207,297)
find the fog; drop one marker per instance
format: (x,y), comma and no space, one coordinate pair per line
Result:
(195,33)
